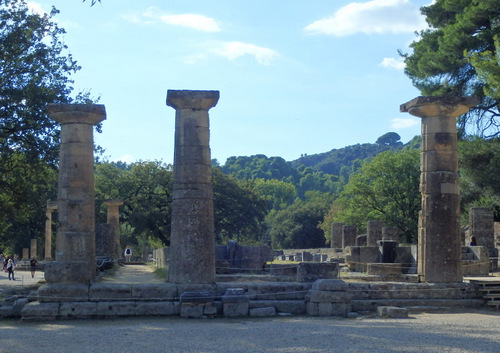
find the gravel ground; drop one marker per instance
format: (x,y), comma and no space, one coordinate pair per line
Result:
(476,331)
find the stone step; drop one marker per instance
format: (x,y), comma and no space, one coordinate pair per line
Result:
(371,305)
(490,289)
(492,296)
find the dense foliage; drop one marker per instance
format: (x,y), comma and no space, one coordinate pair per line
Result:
(35,70)
(458,56)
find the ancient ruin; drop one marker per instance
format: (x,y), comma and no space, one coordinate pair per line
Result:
(192,232)
(439,245)
(75,238)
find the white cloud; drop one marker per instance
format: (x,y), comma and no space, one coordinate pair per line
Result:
(376,16)
(128,158)
(36,8)
(194,21)
(198,22)
(403,123)
(393,63)
(234,50)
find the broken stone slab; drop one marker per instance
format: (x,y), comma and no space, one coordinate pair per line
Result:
(296,307)
(262,312)
(392,312)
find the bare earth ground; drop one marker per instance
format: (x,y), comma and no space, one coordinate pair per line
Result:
(474,331)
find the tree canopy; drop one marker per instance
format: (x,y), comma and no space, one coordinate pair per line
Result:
(457,56)
(35,69)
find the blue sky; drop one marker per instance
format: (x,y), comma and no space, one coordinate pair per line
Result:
(295,77)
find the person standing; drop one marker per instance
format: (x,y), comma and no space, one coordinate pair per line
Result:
(33,264)
(128,253)
(10,269)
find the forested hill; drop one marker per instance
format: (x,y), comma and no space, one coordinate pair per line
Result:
(335,162)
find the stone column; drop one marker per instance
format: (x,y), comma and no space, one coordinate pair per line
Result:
(114,220)
(439,257)
(75,238)
(33,248)
(390,233)
(336,235)
(482,226)
(51,207)
(349,234)
(192,243)
(374,232)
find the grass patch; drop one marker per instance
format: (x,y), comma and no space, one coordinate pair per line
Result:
(161,273)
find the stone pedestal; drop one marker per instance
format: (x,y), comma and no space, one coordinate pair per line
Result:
(349,234)
(75,239)
(51,207)
(439,255)
(336,235)
(374,232)
(113,219)
(192,234)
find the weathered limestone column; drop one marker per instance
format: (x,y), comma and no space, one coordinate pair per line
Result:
(349,234)
(482,226)
(336,235)
(75,237)
(51,207)
(192,243)
(33,248)
(439,257)
(113,218)
(374,232)
(390,233)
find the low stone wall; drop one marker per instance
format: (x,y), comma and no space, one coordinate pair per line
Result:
(324,297)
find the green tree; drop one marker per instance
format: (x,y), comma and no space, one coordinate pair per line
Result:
(239,210)
(35,70)
(385,188)
(297,226)
(479,162)
(389,139)
(457,56)
(278,194)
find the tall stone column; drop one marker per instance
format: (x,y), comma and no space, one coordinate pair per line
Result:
(349,234)
(439,247)
(113,218)
(482,226)
(51,207)
(75,237)
(192,243)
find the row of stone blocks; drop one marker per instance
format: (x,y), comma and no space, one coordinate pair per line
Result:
(322,298)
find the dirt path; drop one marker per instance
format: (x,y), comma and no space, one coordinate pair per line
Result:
(132,274)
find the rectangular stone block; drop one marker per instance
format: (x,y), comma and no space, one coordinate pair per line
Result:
(78,310)
(384,269)
(312,308)
(157,292)
(262,312)
(433,161)
(330,285)
(60,292)
(192,310)
(443,141)
(235,309)
(40,311)
(328,297)
(110,292)
(312,271)
(165,308)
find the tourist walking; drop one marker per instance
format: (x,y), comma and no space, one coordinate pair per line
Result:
(10,269)
(128,253)
(33,264)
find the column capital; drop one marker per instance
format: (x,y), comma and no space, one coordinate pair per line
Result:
(52,205)
(91,114)
(113,202)
(196,100)
(434,106)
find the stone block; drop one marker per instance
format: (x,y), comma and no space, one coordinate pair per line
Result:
(196,297)
(262,312)
(328,297)
(392,312)
(296,307)
(60,292)
(312,308)
(114,308)
(384,269)
(165,308)
(330,285)
(167,291)
(78,310)
(192,310)
(311,271)
(67,272)
(110,292)
(210,309)
(235,309)
(40,311)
